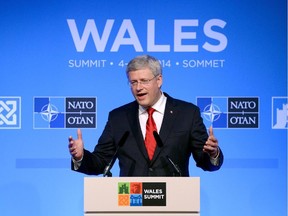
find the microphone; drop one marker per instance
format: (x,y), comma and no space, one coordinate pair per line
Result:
(120,144)
(158,139)
(160,144)
(176,168)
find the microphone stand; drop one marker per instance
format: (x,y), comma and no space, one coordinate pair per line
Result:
(160,144)
(107,172)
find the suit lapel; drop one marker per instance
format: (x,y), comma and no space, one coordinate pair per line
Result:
(133,118)
(167,124)
(169,119)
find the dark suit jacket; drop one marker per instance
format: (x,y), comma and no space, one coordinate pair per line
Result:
(182,133)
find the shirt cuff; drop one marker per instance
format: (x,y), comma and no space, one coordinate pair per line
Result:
(77,164)
(215,160)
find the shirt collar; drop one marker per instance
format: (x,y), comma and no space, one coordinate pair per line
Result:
(159,106)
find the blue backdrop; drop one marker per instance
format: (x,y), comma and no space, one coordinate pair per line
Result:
(228,57)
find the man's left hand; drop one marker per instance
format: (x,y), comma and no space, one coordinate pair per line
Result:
(211,145)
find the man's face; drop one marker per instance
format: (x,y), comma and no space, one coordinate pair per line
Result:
(146,87)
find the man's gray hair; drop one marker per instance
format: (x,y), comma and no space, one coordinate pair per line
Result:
(142,62)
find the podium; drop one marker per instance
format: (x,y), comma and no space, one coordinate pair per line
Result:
(142,196)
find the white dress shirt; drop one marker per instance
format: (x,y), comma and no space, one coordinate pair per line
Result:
(158,114)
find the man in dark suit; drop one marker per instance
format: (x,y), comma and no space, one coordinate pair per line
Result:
(178,123)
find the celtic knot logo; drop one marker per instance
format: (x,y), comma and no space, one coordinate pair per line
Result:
(7,112)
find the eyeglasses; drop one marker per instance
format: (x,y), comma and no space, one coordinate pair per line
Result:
(144,82)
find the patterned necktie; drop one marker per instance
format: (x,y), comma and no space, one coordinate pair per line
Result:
(150,141)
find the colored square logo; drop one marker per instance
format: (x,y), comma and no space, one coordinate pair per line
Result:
(123,200)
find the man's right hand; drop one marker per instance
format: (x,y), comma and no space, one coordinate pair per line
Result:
(76,147)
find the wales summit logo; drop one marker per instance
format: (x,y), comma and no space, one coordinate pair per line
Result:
(229,112)
(10,112)
(64,112)
(141,194)
(280,112)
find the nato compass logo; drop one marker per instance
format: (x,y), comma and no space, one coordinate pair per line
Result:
(10,112)
(64,112)
(229,112)
(280,112)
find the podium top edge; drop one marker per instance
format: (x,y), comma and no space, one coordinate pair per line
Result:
(142,178)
